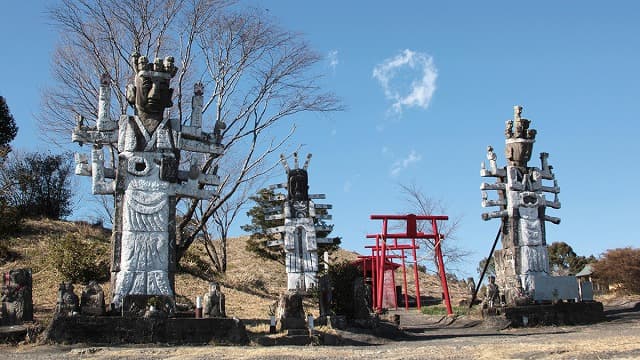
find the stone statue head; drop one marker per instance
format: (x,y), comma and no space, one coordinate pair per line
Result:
(298,185)
(520,139)
(518,151)
(151,93)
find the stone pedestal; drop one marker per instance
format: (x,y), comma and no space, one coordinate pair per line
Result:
(142,330)
(290,312)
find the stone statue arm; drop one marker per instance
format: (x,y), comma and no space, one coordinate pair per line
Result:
(494,215)
(493,166)
(99,184)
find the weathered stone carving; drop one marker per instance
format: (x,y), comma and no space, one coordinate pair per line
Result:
(214,302)
(147,177)
(471,286)
(17,304)
(92,300)
(290,312)
(522,265)
(492,295)
(68,302)
(303,220)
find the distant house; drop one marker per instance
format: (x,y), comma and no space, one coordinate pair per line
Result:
(586,275)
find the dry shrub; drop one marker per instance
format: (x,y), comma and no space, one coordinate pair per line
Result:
(246,281)
(620,267)
(192,263)
(78,260)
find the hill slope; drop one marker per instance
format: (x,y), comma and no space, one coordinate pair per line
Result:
(251,284)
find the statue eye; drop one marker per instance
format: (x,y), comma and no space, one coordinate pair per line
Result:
(140,166)
(146,83)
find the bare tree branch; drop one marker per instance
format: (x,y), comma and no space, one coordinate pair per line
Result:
(419,203)
(256,75)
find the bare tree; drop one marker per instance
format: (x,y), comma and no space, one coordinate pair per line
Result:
(421,204)
(222,220)
(255,75)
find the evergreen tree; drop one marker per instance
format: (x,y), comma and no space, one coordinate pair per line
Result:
(39,185)
(259,239)
(8,128)
(259,225)
(564,261)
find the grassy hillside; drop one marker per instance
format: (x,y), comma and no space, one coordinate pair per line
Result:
(251,284)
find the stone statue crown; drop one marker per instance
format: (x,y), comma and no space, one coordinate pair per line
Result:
(517,130)
(158,66)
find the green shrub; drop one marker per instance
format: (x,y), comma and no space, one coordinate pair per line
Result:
(78,260)
(193,264)
(342,277)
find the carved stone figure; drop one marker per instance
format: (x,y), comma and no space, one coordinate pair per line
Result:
(290,312)
(214,302)
(17,304)
(92,300)
(522,265)
(147,178)
(471,286)
(303,219)
(68,302)
(492,296)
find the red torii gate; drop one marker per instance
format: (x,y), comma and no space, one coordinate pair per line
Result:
(379,254)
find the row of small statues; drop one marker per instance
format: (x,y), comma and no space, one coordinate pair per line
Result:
(91,301)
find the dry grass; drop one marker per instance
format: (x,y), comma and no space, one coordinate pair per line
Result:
(251,285)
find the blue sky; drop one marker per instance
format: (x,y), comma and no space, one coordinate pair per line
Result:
(427,87)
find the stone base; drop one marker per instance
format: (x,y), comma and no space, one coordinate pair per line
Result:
(545,315)
(290,312)
(122,330)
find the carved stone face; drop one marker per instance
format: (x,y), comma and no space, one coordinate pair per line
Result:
(518,153)
(150,94)
(298,185)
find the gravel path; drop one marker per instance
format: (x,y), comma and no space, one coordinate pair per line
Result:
(616,338)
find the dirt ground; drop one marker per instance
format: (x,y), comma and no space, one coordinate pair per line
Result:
(462,338)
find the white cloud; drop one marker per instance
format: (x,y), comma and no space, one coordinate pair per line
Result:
(333,59)
(408,79)
(347,186)
(402,164)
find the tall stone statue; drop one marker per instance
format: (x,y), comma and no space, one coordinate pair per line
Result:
(147,177)
(522,265)
(303,219)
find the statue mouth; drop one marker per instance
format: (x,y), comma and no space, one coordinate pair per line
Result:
(154,102)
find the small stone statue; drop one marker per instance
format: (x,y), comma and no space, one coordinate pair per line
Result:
(17,305)
(290,311)
(492,296)
(67,299)
(92,299)
(471,286)
(214,302)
